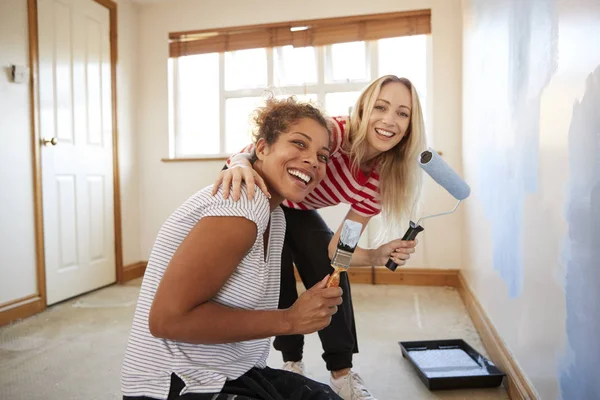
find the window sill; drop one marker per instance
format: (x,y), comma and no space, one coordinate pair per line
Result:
(216,157)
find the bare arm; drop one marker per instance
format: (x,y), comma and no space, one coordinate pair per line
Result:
(399,250)
(182,309)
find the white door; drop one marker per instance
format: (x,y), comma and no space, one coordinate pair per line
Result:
(76,149)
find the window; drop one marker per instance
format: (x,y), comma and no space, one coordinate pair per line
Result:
(213,94)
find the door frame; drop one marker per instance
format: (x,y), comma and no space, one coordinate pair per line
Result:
(32,6)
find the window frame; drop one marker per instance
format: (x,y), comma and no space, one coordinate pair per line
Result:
(317,33)
(321,88)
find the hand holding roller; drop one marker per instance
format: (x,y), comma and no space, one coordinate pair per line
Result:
(446,177)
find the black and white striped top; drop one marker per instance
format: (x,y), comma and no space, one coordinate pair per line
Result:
(254,285)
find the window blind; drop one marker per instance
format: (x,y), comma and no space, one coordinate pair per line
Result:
(316,32)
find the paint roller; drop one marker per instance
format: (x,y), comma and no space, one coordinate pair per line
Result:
(445,176)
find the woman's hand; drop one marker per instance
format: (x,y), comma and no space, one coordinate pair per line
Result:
(314,308)
(233,177)
(398,250)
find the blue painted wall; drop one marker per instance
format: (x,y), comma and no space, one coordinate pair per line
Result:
(531,150)
(580,377)
(508,163)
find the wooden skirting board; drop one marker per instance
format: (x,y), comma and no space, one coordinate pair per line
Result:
(20,308)
(31,305)
(133,271)
(402,276)
(517,384)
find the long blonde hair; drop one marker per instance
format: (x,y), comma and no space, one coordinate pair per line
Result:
(400,178)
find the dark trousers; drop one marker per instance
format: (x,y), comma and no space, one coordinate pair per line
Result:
(257,384)
(306,244)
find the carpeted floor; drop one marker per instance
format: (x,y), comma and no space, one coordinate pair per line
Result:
(74,350)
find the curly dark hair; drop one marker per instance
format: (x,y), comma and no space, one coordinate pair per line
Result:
(276,116)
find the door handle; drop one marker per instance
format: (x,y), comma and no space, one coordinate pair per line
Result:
(50,142)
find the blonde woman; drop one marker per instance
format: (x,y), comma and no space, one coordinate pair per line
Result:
(373,168)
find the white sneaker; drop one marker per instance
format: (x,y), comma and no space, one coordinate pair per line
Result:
(294,366)
(350,387)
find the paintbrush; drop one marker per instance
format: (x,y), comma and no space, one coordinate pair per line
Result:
(343,253)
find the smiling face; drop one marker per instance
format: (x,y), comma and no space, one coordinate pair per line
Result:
(296,162)
(389,118)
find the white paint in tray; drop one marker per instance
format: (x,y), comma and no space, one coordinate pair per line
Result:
(436,363)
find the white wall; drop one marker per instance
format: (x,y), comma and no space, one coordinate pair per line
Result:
(532,152)
(165,185)
(17,246)
(129,168)
(17,233)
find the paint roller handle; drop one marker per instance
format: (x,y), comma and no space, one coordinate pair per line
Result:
(410,234)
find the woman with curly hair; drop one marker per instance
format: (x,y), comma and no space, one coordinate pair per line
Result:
(208,304)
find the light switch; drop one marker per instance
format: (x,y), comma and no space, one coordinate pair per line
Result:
(20,74)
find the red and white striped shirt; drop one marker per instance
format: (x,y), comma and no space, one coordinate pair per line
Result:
(340,185)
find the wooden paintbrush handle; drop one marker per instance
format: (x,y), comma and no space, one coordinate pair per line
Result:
(334,279)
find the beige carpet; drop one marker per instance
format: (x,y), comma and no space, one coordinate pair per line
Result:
(74,350)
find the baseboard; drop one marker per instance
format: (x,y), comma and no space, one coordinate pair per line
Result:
(402,276)
(20,308)
(517,384)
(361,275)
(133,271)
(416,276)
(31,305)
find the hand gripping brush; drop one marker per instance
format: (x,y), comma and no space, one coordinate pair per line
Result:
(343,253)
(445,176)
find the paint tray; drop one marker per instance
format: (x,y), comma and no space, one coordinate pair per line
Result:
(451,364)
